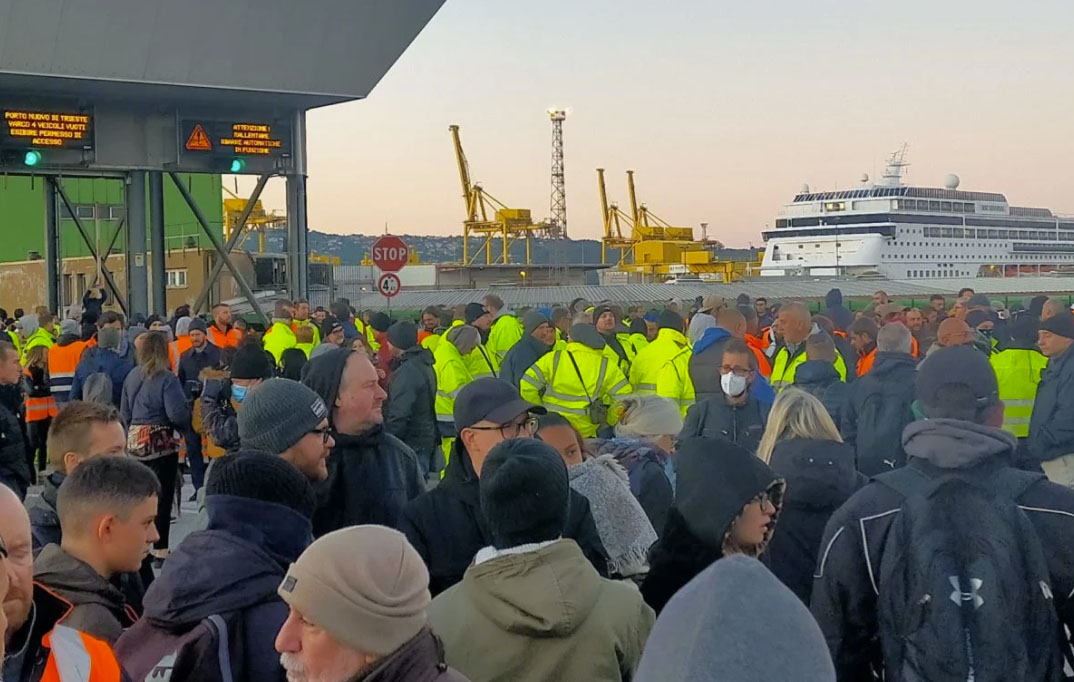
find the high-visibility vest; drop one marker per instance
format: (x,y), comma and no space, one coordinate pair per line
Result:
(865,362)
(173,356)
(633,344)
(505,332)
(15,341)
(452,375)
(370,337)
(62,362)
(784,367)
(295,324)
(482,363)
(674,382)
(224,339)
(431,342)
(1018,374)
(554,382)
(306,348)
(75,656)
(279,338)
(41,337)
(39,408)
(646,367)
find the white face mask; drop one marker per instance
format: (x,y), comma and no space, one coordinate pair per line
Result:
(732,384)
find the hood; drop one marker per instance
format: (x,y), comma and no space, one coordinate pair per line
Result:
(833,298)
(504,312)
(545,593)
(816,372)
(74,579)
(534,344)
(819,472)
(324,373)
(887,364)
(50,487)
(419,354)
(68,339)
(955,444)
(238,562)
(712,336)
(727,610)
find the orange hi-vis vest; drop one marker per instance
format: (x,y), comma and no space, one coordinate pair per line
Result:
(865,362)
(38,409)
(173,356)
(75,656)
(221,339)
(62,361)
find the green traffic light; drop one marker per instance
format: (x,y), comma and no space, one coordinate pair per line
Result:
(238,165)
(32,158)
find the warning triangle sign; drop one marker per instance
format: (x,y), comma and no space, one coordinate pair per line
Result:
(198,140)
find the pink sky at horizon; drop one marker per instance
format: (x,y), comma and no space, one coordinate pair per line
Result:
(722,112)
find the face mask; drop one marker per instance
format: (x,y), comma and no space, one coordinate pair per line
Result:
(732,384)
(238,393)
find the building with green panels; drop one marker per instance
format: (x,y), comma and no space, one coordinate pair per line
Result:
(99,202)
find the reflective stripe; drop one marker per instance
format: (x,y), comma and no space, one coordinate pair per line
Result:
(646,387)
(686,402)
(61,375)
(1011,421)
(600,378)
(1018,403)
(566,410)
(618,387)
(73,662)
(533,382)
(449,395)
(539,373)
(565,396)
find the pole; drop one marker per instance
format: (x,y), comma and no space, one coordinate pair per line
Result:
(156,242)
(137,279)
(52,249)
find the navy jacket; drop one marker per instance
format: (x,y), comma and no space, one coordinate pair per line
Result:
(192,362)
(105,360)
(821,380)
(520,357)
(1051,428)
(236,564)
(154,400)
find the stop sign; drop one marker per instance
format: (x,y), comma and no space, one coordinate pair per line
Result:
(390,253)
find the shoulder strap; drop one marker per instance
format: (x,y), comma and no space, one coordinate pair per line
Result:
(907,481)
(223,650)
(579,373)
(1012,483)
(488,360)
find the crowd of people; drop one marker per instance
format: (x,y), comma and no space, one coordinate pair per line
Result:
(704,490)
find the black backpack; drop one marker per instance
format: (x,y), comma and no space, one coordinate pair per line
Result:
(882,416)
(210,650)
(964,589)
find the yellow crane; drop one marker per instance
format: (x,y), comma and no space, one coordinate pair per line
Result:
(614,218)
(489,217)
(259,219)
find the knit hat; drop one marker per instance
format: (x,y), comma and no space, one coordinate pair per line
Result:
(69,327)
(330,326)
(257,476)
(108,337)
(251,362)
(976,318)
(365,585)
(403,334)
(277,413)
(380,322)
(525,493)
(587,335)
(669,319)
(600,310)
(197,324)
(182,326)
(958,365)
(979,301)
(473,311)
(1061,325)
(532,320)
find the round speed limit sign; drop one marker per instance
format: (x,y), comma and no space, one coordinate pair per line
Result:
(389,284)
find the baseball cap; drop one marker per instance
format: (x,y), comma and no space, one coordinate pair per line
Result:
(490,399)
(957,365)
(888,309)
(711,301)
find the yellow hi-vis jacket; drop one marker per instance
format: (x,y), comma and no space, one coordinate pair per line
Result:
(1018,373)
(451,376)
(673,381)
(633,344)
(41,337)
(505,332)
(279,338)
(482,363)
(295,324)
(16,341)
(650,360)
(552,381)
(784,367)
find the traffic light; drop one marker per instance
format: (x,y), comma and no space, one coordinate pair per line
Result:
(32,158)
(238,165)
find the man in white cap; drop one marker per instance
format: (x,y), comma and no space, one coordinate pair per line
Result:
(357,599)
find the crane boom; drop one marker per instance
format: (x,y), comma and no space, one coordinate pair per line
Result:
(464,175)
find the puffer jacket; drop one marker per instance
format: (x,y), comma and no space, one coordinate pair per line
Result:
(647,470)
(740,424)
(539,616)
(409,412)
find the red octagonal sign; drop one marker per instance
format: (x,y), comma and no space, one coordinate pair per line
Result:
(390,253)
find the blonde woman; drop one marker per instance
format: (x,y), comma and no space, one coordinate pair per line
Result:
(803,447)
(644,440)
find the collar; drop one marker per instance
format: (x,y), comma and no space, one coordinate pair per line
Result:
(24,633)
(489,553)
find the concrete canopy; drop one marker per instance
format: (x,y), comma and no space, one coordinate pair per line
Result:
(299,54)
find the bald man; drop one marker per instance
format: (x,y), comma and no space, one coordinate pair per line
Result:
(796,325)
(1053,307)
(954,332)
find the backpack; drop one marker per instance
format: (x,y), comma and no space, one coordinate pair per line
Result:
(98,388)
(882,416)
(210,650)
(964,593)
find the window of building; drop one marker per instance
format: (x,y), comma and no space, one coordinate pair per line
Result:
(85,211)
(177,278)
(117,212)
(80,285)
(68,294)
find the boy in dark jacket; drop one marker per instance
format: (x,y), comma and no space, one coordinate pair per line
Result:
(259,509)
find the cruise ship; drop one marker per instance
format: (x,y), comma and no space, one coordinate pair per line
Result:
(888,229)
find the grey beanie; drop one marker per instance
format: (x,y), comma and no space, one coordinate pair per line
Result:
(277,413)
(532,320)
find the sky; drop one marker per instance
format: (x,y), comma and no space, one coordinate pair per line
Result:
(723,109)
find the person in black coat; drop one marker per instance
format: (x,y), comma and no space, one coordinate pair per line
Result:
(200,356)
(447,525)
(409,410)
(539,339)
(838,313)
(727,502)
(15,470)
(879,404)
(733,414)
(818,377)
(372,474)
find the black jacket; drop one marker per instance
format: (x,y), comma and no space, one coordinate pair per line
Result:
(877,410)
(645,466)
(820,477)
(236,565)
(844,598)
(218,415)
(44,521)
(409,411)
(838,313)
(520,357)
(1051,429)
(14,467)
(447,527)
(714,418)
(821,380)
(192,362)
(715,481)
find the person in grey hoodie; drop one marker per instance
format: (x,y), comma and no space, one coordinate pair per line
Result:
(735,621)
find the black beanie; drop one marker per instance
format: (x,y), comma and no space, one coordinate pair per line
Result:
(473,311)
(403,334)
(258,476)
(251,362)
(1061,324)
(669,319)
(380,322)
(525,493)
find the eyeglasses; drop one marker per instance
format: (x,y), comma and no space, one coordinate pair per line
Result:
(738,371)
(512,430)
(771,497)
(326,433)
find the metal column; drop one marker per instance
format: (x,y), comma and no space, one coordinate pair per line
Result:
(156,242)
(297,248)
(137,280)
(52,249)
